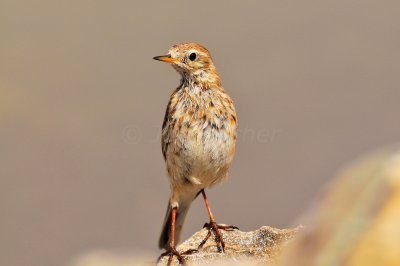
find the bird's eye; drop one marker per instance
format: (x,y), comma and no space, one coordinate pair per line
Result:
(192,56)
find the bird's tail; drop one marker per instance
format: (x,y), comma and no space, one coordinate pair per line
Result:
(180,218)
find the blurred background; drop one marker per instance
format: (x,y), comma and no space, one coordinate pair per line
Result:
(315,84)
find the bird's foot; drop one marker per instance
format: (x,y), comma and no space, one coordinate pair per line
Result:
(179,255)
(214,227)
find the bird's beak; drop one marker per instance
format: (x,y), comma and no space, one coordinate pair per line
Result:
(166,58)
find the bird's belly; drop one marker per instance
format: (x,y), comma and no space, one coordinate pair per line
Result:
(209,151)
(204,155)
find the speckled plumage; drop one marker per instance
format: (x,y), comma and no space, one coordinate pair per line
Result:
(198,132)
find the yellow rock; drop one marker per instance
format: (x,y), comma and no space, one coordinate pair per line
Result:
(357,220)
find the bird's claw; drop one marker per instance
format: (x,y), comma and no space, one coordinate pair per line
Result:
(222,227)
(180,256)
(213,226)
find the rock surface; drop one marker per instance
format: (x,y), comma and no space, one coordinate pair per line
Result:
(261,246)
(356,220)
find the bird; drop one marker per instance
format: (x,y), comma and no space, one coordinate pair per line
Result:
(198,140)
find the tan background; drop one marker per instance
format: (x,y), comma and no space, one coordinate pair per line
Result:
(315,84)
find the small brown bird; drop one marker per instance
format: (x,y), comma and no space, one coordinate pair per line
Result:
(198,140)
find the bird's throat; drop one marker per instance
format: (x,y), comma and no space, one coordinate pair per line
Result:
(204,79)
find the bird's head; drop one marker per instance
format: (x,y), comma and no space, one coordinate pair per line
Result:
(191,60)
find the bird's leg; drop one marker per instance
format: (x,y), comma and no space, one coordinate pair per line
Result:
(171,252)
(213,226)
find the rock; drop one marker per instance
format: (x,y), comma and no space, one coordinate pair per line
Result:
(261,246)
(356,221)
